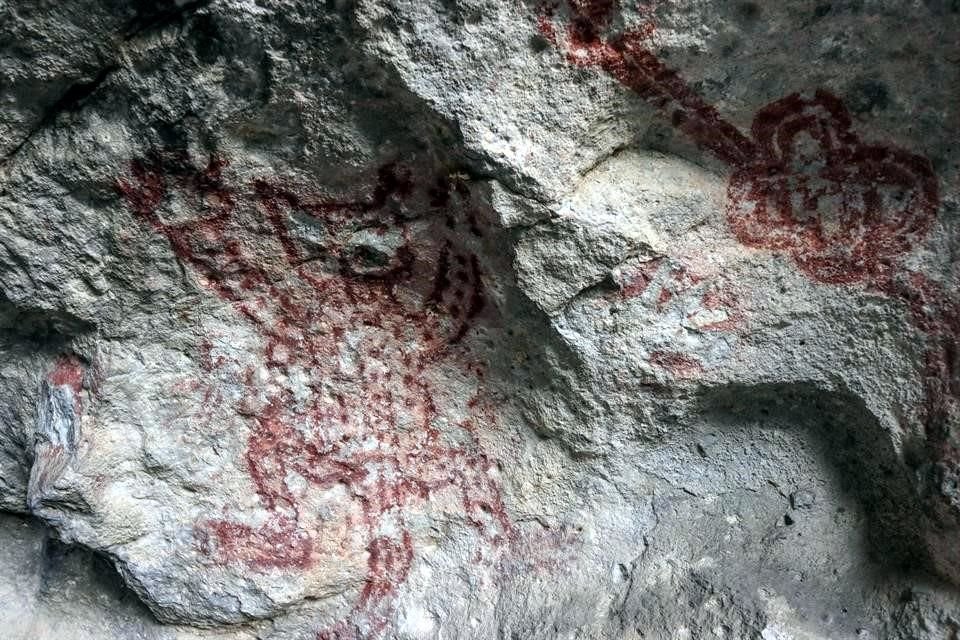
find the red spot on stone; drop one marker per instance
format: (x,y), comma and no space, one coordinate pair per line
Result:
(722,298)
(389,561)
(665,297)
(639,281)
(680,365)
(69,372)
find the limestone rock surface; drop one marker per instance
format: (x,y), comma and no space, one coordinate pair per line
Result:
(416,319)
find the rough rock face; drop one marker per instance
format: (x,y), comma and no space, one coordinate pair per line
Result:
(479,319)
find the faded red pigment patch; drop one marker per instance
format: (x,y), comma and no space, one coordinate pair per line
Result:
(678,291)
(680,280)
(366,317)
(639,281)
(936,312)
(69,372)
(678,364)
(723,299)
(671,285)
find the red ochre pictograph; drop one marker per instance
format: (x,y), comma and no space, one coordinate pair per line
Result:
(368,324)
(802,183)
(69,372)
(680,289)
(365,314)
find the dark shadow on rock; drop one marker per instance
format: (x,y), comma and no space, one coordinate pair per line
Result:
(854,443)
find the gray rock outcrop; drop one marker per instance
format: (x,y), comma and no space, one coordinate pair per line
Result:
(479,319)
